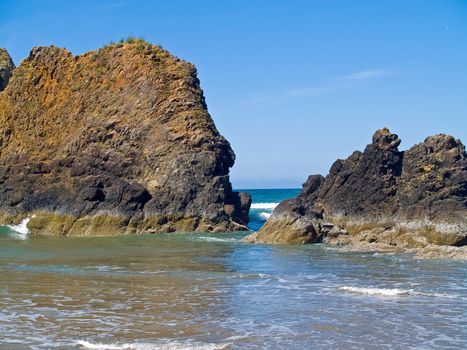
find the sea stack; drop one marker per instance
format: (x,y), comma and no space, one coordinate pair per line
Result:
(115,141)
(410,198)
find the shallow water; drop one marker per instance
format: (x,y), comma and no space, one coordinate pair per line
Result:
(186,291)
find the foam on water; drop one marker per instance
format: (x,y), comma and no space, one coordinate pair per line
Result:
(21,229)
(148,346)
(264,215)
(393,292)
(264,205)
(216,239)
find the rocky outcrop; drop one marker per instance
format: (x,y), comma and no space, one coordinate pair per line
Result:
(115,141)
(381,195)
(6,68)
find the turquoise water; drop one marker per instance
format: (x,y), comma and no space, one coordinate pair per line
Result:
(264,202)
(211,291)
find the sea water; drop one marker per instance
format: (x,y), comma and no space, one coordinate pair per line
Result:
(264,203)
(212,291)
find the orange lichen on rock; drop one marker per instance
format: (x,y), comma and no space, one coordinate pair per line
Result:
(122,131)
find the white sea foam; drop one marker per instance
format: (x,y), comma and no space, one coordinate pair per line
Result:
(148,346)
(264,215)
(393,292)
(264,205)
(377,291)
(21,229)
(215,239)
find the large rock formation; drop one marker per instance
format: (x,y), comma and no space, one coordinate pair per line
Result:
(116,141)
(382,195)
(6,68)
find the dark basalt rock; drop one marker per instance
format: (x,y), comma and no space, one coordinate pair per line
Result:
(116,141)
(364,182)
(382,186)
(6,68)
(433,182)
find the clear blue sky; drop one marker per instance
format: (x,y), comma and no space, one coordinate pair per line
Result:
(293,85)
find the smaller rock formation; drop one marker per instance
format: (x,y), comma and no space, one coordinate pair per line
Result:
(6,68)
(381,195)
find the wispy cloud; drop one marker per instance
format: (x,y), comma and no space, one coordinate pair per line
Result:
(344,82)
(366,75)
(310,91)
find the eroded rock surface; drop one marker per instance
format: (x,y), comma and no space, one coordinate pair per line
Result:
(115,141)
(6,68)
(381,196)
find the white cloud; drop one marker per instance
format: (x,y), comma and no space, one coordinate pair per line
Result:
(344,82)
(366,75)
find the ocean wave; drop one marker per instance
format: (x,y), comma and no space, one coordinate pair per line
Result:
(216,239)
(392,292)
(264,215)
(264,205)
(21,229)
(260,215)
(149,346)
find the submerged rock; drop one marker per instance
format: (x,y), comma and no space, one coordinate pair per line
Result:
(115,141)
(381,195)
(6,68)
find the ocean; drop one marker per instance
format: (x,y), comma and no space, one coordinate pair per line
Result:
(264,202)
(211,291)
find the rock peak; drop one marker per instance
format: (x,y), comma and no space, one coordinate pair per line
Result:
(442,142)
(46,51)
(384,139)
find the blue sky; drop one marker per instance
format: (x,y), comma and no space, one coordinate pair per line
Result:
(293,85)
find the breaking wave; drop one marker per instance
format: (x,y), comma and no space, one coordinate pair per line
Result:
(264,215)
(21,229)
(264,205)
(393,292)
(148,346)
(216,239)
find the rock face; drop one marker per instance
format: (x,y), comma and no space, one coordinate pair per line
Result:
(6,68)
(116,141)
(381,195)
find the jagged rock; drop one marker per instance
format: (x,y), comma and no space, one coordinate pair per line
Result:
(115,141)
(335,232)
(412,198)
(433,182)
(6,68)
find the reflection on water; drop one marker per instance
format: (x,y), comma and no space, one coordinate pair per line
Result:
(184,291)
